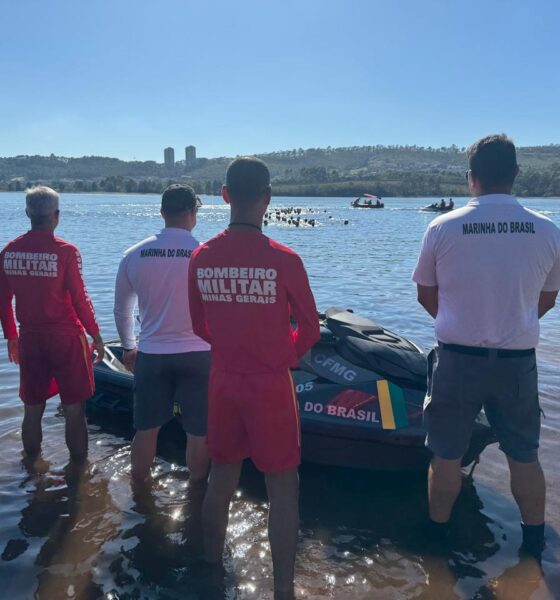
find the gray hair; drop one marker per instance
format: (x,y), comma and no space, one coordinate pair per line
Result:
(40,201)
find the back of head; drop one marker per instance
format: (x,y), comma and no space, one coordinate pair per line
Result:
(178,198)
(41,203)
(247,179)
(493,162)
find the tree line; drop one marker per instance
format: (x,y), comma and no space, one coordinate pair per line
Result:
(384,170)
(543,183)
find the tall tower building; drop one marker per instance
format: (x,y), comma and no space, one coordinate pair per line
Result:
(190,157)
(169,158)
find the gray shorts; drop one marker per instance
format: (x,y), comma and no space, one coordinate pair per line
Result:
(460,385)
(165,384)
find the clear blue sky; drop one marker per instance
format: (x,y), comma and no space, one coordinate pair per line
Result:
(126,78)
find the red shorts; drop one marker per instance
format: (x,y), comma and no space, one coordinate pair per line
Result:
(51,364)
(254,416)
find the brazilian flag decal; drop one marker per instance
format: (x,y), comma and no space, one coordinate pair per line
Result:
(391,405)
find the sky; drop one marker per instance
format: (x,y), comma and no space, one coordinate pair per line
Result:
(126,78)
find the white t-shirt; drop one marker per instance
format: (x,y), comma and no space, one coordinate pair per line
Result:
(155,273)
(490,261)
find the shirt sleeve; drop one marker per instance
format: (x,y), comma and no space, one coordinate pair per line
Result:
(123,308)
(74,283)
(196,304)
(425,271)
(302,305)
(6,309)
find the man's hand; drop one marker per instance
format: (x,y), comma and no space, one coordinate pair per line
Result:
(129,359)
(99,348)
(13,351)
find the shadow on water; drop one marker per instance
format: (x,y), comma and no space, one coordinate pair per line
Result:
(84,533)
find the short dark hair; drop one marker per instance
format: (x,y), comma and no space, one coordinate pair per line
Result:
(493,161)
(179,197)
(247,178)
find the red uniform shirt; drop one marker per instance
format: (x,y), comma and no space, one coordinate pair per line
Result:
(243,289)
(45,275)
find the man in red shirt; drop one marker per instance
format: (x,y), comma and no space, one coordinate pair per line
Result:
(44,273)
(243,290)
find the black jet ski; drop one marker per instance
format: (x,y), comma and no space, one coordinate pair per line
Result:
(360,391)
(437,208)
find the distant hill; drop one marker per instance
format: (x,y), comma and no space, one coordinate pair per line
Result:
(385,170)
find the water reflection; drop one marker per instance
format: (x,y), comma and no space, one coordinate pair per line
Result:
(71,513)
(85,533)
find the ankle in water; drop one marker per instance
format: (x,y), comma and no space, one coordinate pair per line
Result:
(533,540)
(436,530)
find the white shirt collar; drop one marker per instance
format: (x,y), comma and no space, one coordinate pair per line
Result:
(175,231)
(493,199)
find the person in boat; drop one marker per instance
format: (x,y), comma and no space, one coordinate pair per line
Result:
(451,204)
(442,204)
(490,250)
(378,202)
(243,286)
(54,311)
(170,363)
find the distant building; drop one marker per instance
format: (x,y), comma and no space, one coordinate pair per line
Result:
(190,157)
(169,158)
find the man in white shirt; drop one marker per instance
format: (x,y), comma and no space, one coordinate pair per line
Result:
(487,272)
(171,364)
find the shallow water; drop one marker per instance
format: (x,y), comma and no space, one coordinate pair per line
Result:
(66,533)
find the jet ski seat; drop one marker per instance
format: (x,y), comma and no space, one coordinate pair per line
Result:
(370,346)
(342,322)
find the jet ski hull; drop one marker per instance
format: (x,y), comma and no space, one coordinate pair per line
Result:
(360,392)
(437,209)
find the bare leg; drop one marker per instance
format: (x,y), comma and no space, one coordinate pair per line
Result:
(528,489)
(198,463)
(197,458)
(76,430)
(283,524)
(222,483)
(143,453)
(31,432)
(444,485)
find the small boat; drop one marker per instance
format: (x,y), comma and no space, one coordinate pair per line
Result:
(360,390)
(368,202)
(437,208)
(354,205)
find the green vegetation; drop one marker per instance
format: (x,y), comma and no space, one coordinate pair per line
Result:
(403,171)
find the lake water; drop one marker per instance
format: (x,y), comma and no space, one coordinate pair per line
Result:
(85,535)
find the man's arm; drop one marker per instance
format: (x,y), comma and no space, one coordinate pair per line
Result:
(547,300)
(302,305)
(74,283)
(7,315)
(123,308)
(196,305)
(425,274)
(428,298)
